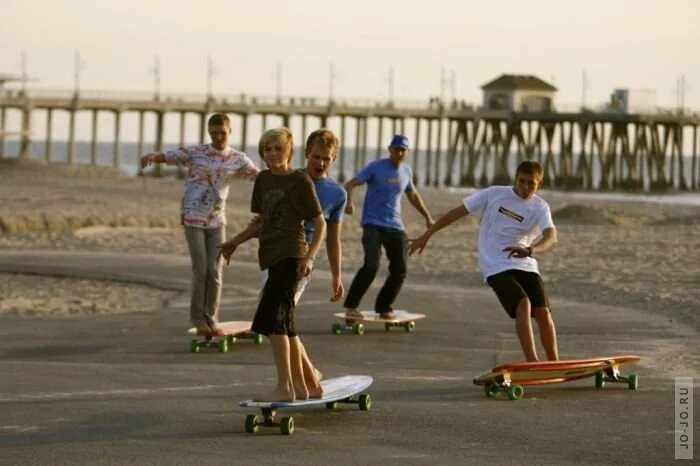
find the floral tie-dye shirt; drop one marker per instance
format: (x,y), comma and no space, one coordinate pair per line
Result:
(209,173)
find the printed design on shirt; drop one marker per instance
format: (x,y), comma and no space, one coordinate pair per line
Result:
(393,180)
(511,214)
(270,207)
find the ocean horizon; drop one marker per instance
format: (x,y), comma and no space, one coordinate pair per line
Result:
(417,160)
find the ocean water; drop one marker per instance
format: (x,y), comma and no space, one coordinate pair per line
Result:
(417,159)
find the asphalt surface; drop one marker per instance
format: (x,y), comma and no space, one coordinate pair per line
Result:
(124,389)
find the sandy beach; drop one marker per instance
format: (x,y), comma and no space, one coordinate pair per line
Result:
(611,252)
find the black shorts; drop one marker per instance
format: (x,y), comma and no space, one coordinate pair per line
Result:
(513,285)
(275,314)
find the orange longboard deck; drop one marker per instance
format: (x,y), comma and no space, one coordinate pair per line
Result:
(511,378)
(542,372)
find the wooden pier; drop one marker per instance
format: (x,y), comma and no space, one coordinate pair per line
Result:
(460,145)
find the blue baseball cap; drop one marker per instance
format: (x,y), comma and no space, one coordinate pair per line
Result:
(399,140)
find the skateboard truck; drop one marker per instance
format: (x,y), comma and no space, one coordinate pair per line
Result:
(612,374)
(503,384)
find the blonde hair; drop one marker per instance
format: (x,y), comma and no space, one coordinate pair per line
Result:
(281,135)
(325,137)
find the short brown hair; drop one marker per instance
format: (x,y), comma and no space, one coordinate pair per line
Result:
(323,136)
(219,119)
(530,167)
(283,135)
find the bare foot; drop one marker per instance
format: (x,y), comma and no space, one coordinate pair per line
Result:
(353,313)
(387,315)
(276,395)
(315,391)
(301,392)
(318,374)
(203,329)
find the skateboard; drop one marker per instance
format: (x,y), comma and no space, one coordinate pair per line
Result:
(227,334)
(511,378)
(345,389)
(356,324)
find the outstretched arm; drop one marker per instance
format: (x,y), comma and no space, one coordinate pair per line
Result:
(417,201)
(421,242)
(227,248)
(349,186)
(546,242)
(153,157)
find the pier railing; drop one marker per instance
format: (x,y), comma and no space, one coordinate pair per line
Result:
(455,143)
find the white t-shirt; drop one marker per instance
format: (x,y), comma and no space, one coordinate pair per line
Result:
(507,220)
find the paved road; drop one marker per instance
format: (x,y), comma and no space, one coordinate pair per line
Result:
(124,389)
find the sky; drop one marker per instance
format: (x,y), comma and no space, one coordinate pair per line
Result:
(636,44)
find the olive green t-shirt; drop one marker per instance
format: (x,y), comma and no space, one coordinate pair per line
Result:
(283,203)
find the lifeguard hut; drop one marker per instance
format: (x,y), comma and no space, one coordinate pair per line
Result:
(519,93)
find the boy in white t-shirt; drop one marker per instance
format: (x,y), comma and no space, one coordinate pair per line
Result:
(512,220)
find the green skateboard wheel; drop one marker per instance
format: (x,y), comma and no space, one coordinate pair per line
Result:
(287,425)
(365,402)
(515,392)
(251,423)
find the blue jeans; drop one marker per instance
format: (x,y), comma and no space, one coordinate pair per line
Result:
(395,244)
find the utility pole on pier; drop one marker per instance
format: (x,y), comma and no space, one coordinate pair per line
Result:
(443,83)
(210,72)
(584,88)
(78,68)
(331,81)
(391,84)
(278,81)
(25,77)
(156,77)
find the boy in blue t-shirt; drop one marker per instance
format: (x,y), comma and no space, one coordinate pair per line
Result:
(382,225)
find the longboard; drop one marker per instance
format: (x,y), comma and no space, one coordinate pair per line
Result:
(511,378)
(228,331)
(345,389)
(355,325)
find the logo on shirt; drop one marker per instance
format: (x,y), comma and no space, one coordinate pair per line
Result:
(511,214)
(392,180)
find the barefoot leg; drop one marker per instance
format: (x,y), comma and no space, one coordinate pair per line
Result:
(284,391)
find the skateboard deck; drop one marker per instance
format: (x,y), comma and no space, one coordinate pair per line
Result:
(224,338)
(355,325)
(345,389)
(511,378)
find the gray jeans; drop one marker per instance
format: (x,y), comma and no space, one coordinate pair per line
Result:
(206,273)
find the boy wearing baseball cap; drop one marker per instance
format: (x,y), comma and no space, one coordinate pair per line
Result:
(383,226)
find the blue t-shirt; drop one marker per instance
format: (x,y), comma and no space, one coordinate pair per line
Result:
(332,197)
(385,184)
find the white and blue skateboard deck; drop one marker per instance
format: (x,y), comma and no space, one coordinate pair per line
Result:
(335,390)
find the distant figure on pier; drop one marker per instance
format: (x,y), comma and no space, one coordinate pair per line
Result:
(383,226)
(515,226)
(210,170)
